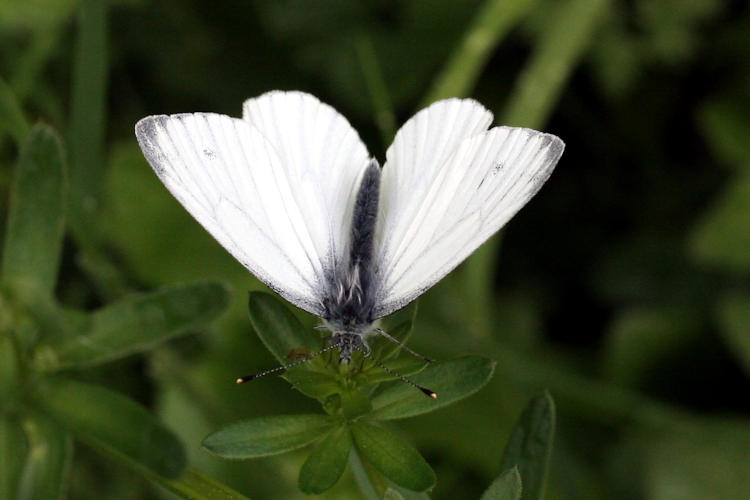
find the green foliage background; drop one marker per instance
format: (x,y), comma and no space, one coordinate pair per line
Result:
(623,287)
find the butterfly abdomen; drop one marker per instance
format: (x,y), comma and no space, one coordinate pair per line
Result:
(352,295)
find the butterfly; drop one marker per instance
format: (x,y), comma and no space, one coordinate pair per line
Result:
(292,193)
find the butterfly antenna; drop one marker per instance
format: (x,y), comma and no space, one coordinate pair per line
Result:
(424,390)
(396,341)
(248,378)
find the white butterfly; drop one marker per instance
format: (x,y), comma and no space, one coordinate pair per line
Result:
(292,193)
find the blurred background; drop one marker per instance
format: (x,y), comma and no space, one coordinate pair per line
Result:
(622,288)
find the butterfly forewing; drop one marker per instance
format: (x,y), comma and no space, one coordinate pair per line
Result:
(463,197)
(266,199)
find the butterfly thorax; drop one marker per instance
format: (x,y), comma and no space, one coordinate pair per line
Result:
(350,299)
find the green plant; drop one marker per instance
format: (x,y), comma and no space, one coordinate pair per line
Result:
(353,405)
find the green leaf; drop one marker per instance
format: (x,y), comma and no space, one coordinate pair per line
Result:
(114,424)
(326,463)
(280,331)
(391,494)
(451,380)
(406,365)
(393,457)
(314,384)
(264,436)
(734,318)
(33,237)
(720,238)
(12,117)
(493,21)
(530,445)
(724,122)
(506,487)
(354,403)
(45,474)
(640,337)
(13,449)
(137,323)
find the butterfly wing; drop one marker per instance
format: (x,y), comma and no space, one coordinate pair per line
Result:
(273,188)
(448,184)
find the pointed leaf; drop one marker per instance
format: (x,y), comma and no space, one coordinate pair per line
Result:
(33,236)
(193,484)
(451,380)
(137,323)
(264,436)
(393,457)
(45,475)
(280,331)
(530,445)
(326,463)
(318,385)
(505,487)
(391,494)
(405,365)
(13,450)
(115,424)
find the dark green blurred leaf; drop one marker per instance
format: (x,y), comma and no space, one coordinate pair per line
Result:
(734,319)
(506,487)
(33,237)
(725,125)
(493,21)
(12,118)
(137,323)
(530,445)
(260,437)
(705,459)
(451,380)
(640,337)
(45,475)
(393,456)
(280,331)
(87,120)
(721,237)
(115,424)
(13,453)
(326,463)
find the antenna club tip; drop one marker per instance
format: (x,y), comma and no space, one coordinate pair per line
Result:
(241,380)
(428,392)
